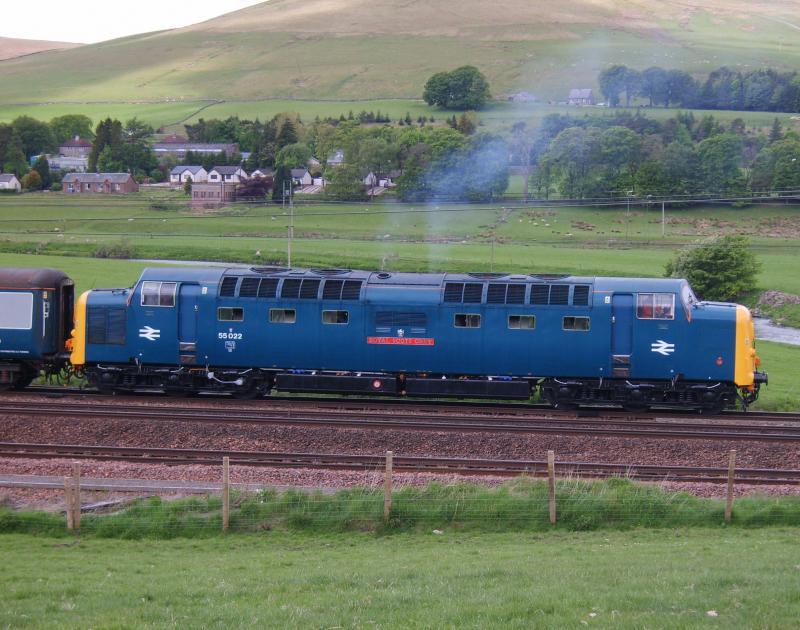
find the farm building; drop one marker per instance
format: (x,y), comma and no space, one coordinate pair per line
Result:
(580,96)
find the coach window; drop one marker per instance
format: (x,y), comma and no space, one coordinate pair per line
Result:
(335,317)
(576,323)
(158,293)
(230,314)
(467,320)
(522,322)
(655,306)
(282,316)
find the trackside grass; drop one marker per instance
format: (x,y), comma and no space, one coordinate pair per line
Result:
(517,506)
(636,579)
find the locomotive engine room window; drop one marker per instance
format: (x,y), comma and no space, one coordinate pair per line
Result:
(523,322)
(158,293)
(282,316)
(335,317)
(655,306)
(576,323)
(467,320)
(230,314)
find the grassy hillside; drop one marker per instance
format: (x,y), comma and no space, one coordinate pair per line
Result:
(11,47)
(359,49)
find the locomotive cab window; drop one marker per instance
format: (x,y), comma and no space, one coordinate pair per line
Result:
(282,316)
(655,306)
(158,293)
(576,323)
(230,314)
(335,317)
(522,322)
(467,320)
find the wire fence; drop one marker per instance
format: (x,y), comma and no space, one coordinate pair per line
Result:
(522,504)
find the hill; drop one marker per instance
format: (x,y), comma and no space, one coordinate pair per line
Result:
(363,49)
(10,47)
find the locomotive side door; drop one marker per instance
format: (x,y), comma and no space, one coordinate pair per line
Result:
(621,334)
(187,323)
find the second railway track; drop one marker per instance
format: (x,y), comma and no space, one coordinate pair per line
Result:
(452,420)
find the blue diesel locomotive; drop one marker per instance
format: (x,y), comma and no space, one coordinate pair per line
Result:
(634,342)
(36,311)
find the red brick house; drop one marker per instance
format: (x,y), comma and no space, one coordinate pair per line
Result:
(99,184)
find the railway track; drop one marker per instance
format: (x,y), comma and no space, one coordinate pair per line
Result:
(338,461)
(537,421)
(433,406)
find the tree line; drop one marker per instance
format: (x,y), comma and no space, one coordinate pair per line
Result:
(764,90)
(626,154)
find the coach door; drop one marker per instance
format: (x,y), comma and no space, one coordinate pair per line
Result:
(621,334)
(187,324)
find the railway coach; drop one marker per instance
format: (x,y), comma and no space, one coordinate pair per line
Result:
(634,342)
(35,322)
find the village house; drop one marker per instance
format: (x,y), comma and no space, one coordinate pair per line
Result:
(301,177)
(179,175)
(76,147)
(580,96)
(263,173)
(9,181)
(213,195)
(337,158)
(226,174)
(99,183)
(522,97)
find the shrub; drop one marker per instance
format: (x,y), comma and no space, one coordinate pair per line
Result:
(721,268)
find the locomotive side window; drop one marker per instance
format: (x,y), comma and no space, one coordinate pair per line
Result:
(576,323)
(282,316)
(158,293)
(467,320)
(522,322)
(230,314)
(335,317)
(655,306)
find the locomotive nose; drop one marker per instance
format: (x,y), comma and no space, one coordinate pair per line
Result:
(747,376)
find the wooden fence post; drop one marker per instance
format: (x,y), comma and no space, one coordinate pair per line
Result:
(729,498)
(226,493)
(551,485)
(68,502)
(387,487)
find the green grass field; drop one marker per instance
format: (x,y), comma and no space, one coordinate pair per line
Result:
(663,578)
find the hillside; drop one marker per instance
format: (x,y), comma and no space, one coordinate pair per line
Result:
(10,47)
(360,49)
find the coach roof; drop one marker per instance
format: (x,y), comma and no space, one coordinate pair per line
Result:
(32,278)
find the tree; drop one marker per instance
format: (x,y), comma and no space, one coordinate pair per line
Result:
(70,125)
(346,184)
(776,133)
(281,180)
(32,181)
(42,167)
(721,268)
(720,160)
(654,85)
(34,135)
(187,185)
(287,135)
(612,82)
(293,156)
(463,88)
(15,161)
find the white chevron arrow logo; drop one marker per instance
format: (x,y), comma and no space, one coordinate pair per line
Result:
(662,347)
(151,334)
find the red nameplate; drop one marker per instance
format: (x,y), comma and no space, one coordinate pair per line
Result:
(401,341)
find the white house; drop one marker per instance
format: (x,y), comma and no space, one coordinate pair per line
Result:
(179,175)
(9,181)
(302,177)
(226,174)
(263,173)
(337,158)
(370,180)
